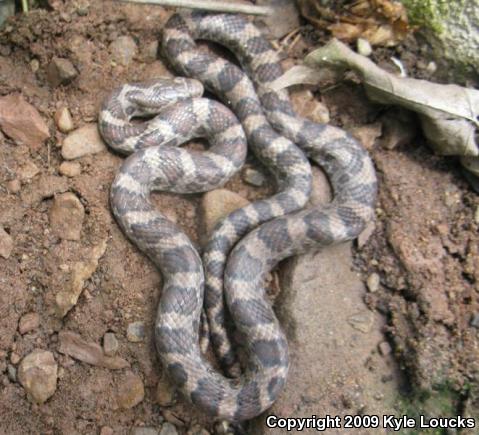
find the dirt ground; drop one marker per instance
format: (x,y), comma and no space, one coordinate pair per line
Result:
(424,246)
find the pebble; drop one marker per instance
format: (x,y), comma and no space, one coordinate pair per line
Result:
(123,49)
(12,373)
(66,216)
(106,430)
(144,431)
(150,52)
(253,177)
(384,348)
(60,72)
(130,391)
(67,298)
(475,320)
(135,332)
(362,322)
(21,121)
(63,120)
(368,134)
(27,171)
(217,204)
(28,322)
(82,142)
(373,282)
(14,186)
(110,344)
(38,373)
(431,67)
(6,244)
(168,429)
(34,65)
(14,358)
(73,345)
(165,394)
(366,234)
(308,106)
(70,169)
(364,47)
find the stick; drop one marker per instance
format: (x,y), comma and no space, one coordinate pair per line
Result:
(207,5)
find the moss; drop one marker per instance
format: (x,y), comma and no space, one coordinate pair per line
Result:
(444,401)
(432,13)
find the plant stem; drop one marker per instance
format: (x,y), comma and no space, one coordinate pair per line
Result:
(25,6)
(208,5)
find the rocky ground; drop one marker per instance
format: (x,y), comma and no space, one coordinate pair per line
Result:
(77,300)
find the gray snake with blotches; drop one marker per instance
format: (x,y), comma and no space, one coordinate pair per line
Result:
(248,243)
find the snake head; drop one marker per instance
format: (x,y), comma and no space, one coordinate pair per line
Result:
(149,98)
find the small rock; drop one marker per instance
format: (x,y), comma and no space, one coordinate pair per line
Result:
(144,431)
(364,47)
(28,322)
(66,216)
(12,373)
(82,141)
(308,106)
(373,282)
(150,52)
(34,65)
(123,50)
(218,204)
(21,121)
(67,298)
(14,358)
(60,72)
(431,67)
(384,348)
(106,430)
(197,430)
(366,234)
(70,169)
(475,320)
(14,186)
(168,429)
(73,345)
(27,171)
(254,177)
(63,120)
(38,373)
(82,10)
(130,391)
(6,244)
(165,394)
(362,322)
(367,134)
(136,332)
(110,344)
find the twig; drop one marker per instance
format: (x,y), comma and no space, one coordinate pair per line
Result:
(25,6)
(208,5)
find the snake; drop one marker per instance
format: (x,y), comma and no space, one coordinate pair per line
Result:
(247,244)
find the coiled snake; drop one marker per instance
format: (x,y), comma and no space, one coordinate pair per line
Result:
(246,245)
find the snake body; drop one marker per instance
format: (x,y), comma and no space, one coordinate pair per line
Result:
(247,244)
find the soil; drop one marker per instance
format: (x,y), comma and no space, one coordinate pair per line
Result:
(424,246)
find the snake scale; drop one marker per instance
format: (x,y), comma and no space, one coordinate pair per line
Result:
(248,243)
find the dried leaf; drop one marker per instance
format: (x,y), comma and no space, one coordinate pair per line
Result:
(448,113)
(381,22)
